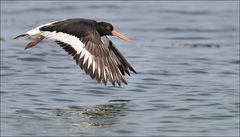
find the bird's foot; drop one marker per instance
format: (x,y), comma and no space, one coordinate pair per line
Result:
(34,43)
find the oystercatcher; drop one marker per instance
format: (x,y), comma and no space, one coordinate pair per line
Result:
(86,40)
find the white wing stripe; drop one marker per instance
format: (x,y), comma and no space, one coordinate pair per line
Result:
(66,38)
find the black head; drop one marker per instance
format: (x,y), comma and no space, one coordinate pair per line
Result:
(104,28)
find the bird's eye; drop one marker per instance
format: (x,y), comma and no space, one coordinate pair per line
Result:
(108,27)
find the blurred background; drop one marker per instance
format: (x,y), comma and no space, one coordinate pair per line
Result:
(186,55)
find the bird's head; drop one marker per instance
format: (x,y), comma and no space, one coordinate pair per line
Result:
(104,28)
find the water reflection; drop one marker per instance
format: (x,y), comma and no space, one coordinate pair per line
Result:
(102,115)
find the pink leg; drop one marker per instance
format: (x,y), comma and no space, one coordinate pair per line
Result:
(34,43)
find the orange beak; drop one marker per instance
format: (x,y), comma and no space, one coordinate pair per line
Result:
(121,36)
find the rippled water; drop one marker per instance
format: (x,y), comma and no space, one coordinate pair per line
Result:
(186,55)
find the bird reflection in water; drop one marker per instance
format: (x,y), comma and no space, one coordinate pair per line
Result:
(96,116)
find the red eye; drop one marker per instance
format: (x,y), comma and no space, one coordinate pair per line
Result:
(108,27)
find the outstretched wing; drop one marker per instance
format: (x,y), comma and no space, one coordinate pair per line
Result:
(87,50)
(122,63)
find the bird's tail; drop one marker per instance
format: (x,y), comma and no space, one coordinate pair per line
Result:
(22,35)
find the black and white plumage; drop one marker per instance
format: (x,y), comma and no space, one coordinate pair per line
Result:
(86,40)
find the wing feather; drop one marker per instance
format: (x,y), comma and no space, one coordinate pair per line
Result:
(122,63)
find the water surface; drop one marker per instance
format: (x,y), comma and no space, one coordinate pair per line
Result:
(183,85)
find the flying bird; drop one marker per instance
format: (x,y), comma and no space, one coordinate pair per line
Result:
(86,40)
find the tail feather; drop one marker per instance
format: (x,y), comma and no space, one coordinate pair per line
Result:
(22,35)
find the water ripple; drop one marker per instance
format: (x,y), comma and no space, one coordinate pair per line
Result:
(32,59)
